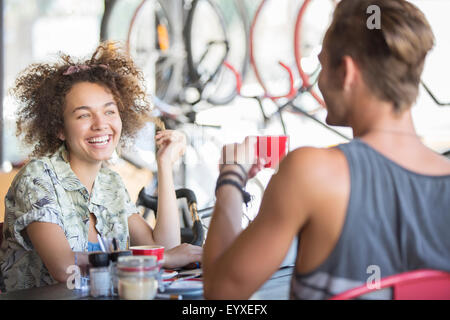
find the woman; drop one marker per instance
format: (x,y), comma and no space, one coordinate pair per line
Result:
(75,115)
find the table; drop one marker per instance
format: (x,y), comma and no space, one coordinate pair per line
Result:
(276,288)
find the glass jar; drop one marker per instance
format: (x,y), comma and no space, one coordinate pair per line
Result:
(100,278)
(137,277)
(113,257)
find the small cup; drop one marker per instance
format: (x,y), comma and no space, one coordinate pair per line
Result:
(150,250)
(272,149)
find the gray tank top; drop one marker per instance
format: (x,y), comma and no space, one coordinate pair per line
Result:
(397,220)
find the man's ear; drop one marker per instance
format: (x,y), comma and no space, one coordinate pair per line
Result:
(350,72)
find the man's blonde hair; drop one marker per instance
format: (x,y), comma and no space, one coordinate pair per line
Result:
(392,57)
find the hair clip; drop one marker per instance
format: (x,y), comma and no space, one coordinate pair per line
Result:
(81,67)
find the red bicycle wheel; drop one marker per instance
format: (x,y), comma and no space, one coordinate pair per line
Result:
(289,92)
(300,45)
(252,55)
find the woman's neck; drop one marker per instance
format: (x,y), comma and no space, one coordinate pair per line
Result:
(86,172)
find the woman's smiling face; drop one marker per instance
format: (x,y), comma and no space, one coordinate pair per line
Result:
(92,123)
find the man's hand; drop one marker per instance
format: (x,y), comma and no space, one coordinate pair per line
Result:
(244,154)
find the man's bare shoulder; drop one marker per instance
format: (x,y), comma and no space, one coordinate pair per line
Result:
(316,162)
(316,170)
(307,176)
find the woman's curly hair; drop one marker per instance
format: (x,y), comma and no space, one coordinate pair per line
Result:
(41,90)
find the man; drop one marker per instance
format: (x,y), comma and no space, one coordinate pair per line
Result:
(380,201)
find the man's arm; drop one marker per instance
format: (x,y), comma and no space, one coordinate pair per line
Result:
(237,263)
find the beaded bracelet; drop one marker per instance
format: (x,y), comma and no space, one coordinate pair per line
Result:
(245,195)
(240,166)
(231,173)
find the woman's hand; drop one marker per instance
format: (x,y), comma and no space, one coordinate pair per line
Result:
(171,146)
(182,255)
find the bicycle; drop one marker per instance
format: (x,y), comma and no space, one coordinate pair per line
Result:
(306,51)
(263,73)
(179,67)
(192,230)
(263,76)
(187,64)
(311,16)
(182,118)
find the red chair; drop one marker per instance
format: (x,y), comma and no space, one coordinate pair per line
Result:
(412,285)
(1,238)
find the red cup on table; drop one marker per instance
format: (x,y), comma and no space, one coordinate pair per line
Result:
(272,149)
(150,250)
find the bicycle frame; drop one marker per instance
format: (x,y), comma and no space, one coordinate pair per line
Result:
(298,56)
(291,96)
(439,103)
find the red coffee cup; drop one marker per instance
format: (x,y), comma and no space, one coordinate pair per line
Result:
(150,250)
(272,149)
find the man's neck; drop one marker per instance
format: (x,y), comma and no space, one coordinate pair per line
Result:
(380,118)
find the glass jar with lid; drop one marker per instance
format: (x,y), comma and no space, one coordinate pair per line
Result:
(114,256)
(100,278)
(137,277)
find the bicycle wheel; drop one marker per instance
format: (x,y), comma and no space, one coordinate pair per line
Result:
(207,47)
(145,28)
(149,43)
(237,26)
(270,46)
(116,19)
(312,21)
